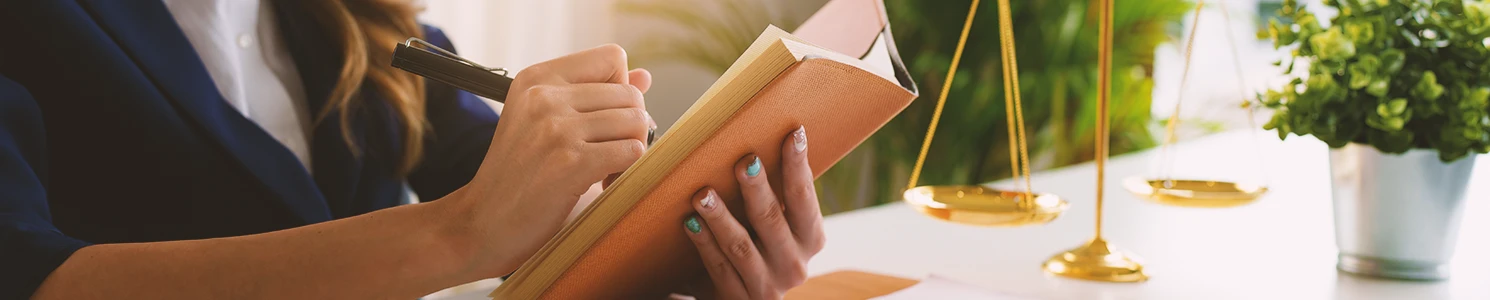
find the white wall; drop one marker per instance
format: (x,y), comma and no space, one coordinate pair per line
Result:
(514,34)
(1213,93)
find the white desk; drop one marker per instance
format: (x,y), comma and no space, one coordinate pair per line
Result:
(1281,247)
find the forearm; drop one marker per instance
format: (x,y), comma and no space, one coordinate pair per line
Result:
(403,253)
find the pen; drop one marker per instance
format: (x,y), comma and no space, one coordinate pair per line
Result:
(451,69)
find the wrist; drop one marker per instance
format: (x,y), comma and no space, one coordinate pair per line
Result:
(460,230)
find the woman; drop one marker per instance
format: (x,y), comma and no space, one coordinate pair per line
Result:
(201,149)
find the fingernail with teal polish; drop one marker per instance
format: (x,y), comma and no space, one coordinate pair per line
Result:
(692,225)
(754,168)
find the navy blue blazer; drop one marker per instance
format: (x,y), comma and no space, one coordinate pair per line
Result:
(111,130)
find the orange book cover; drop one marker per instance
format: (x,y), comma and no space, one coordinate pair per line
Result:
(646,254)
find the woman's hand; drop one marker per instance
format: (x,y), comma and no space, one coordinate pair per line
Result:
(790,230)
(567,123)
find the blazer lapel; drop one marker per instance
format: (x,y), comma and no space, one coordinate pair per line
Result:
(337,170)
(151,37)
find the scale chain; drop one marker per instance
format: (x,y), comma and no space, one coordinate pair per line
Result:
(1018,141)
(1168,157)
(941,100)
(1166,165)
(1018,144)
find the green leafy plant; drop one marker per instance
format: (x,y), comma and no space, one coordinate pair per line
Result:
(1394,74)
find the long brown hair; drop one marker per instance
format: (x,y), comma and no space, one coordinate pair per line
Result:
(368,31)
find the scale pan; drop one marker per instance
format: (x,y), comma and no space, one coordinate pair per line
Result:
(1195,193)
(977,205)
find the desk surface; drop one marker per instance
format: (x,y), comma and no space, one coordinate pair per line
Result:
(1281,247)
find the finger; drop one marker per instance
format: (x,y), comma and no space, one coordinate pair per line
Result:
(590,97)
(735,242)
(761,206)
(616,124)
(802,210)
(605,64)
(640,78)
(766,215)
(610,157)
(726,280)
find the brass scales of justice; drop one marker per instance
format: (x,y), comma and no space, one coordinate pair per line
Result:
(978,205)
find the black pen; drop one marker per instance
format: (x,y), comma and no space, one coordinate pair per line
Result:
(446,67)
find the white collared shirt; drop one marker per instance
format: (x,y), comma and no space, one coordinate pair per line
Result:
(240,44)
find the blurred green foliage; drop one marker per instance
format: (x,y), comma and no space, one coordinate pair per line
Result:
(1395,74)
(1057,51)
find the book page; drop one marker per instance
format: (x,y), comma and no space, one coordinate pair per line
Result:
(878,58)
(804,51)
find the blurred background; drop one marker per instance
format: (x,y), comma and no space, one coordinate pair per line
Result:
(688,43)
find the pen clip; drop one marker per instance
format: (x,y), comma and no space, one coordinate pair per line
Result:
(441,51)
(443,66)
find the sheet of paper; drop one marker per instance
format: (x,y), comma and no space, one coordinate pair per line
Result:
(938,287)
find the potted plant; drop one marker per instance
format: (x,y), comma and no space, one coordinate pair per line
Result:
(1398,90)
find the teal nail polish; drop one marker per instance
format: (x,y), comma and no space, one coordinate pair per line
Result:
(692,225)
(754,168)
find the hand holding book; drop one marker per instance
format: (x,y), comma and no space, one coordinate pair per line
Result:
(789,228)
(626,245)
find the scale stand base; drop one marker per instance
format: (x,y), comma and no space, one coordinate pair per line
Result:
(1098,261)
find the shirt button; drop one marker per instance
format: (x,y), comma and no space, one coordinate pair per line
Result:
(244,41)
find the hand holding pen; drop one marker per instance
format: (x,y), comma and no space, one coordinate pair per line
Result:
(492,83)
(570,122)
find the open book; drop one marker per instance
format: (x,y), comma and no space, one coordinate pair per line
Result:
(629,243)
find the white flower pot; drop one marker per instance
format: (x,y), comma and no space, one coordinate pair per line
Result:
(1397,216)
